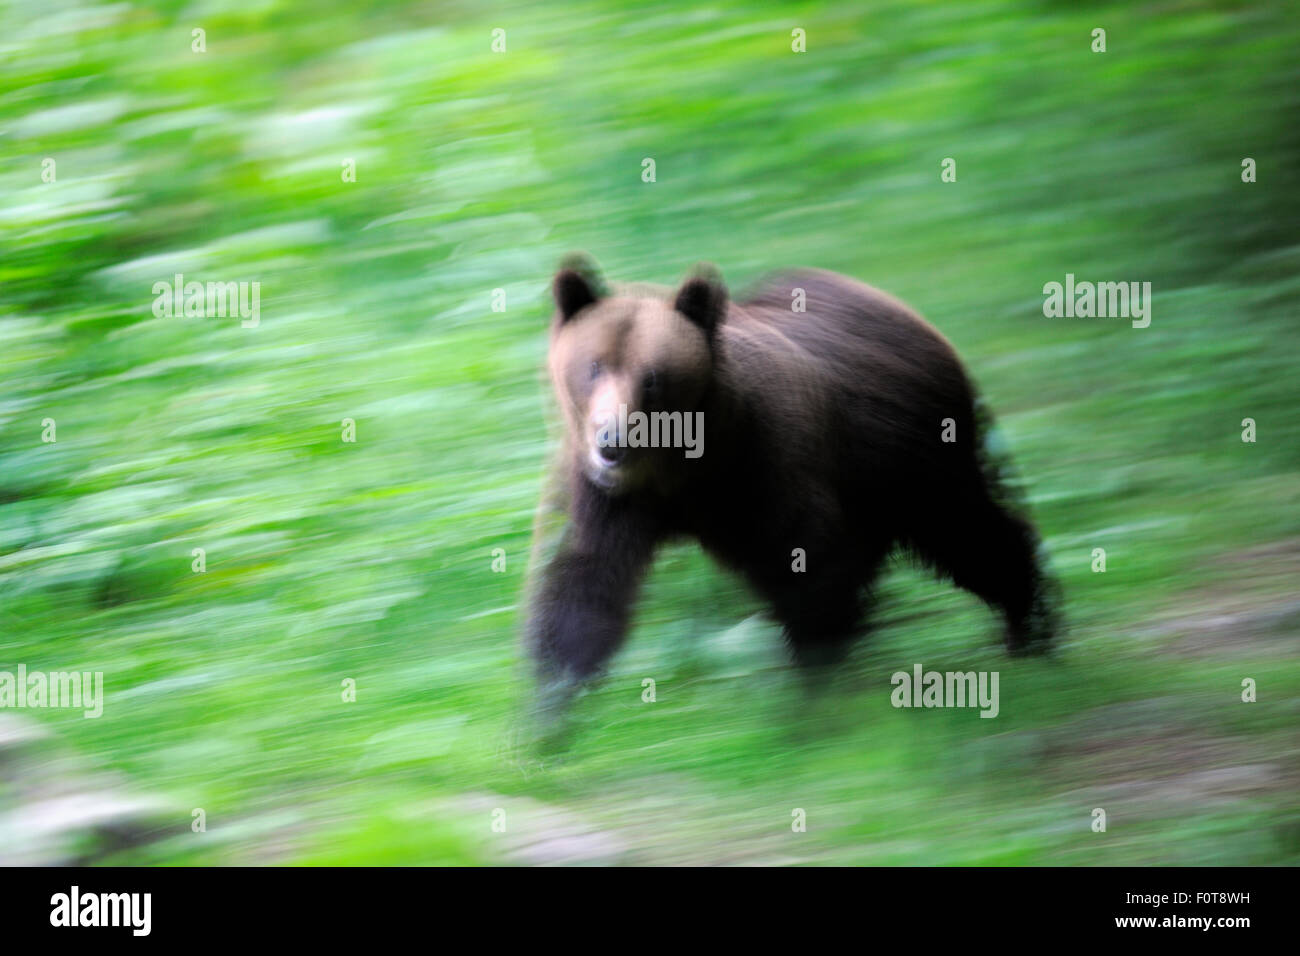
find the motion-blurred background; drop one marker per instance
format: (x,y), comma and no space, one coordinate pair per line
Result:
(372,561)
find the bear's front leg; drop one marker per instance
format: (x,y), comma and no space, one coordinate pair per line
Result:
(583,602)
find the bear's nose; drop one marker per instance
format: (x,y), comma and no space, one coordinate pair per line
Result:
(612,454)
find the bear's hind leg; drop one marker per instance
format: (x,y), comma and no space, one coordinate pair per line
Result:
(994,553)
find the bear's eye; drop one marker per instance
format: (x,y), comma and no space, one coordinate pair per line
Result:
(650,382)
(595,368)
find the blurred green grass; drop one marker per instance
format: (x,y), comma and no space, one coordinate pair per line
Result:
(478,171)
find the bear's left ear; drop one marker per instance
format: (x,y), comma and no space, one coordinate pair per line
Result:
(703,299)
(576,286)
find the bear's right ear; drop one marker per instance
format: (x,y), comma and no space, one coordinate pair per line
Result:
(703,298)
(576,286)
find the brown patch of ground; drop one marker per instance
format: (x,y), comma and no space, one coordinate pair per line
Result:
(1144,760)
(1252,611)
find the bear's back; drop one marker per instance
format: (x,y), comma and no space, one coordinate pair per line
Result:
(849,335)
(854,377)
(823,311)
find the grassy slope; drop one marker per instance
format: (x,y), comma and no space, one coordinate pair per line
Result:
(476,171)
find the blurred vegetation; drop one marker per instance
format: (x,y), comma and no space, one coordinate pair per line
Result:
(478,170)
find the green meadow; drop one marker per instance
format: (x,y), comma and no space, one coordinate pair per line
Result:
(331,565)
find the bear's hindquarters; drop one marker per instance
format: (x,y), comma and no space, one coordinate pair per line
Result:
(994,553)
(975,529)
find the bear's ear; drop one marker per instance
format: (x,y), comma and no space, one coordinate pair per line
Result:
(576,286)
(703,299)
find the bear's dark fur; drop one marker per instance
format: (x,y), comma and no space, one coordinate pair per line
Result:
(824,432)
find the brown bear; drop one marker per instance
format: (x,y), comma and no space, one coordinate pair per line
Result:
(799,435)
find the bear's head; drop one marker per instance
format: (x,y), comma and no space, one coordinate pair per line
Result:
(631,371)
